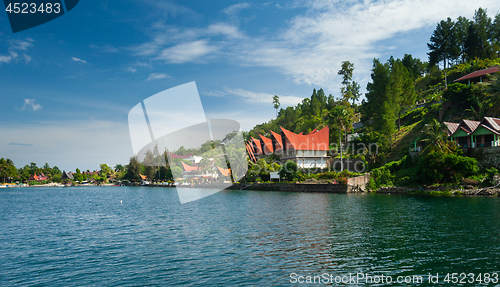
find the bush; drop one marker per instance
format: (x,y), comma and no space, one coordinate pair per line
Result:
(289,171)
(438,167)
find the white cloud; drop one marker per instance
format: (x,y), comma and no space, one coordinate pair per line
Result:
(16,45)
(250,97)
(229,31)
(78,60)
(131,70)
(21,44)
(7,59)
(233,9)
(310,47)
(27,59)
(30,103)
(315,43)
(105,48)
(157,76)
(186,52)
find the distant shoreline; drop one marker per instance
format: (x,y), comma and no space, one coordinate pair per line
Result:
(304,187)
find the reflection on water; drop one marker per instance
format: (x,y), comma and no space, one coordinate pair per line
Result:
(127,236)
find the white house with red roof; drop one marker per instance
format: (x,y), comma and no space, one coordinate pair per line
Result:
(307,151)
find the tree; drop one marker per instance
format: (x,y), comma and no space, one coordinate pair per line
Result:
(493,92)
(402,90)
(119,168)
(461,30)
(435,137)
(380,108)
(239,163)
(149,165)
(342,118)
(414,66)
(443,45)
(495,34)
(350,89)
(276,102)
(105,171)
(7,170)
(477,44)
(134,169)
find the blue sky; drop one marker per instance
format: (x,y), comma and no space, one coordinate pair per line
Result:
(67,86)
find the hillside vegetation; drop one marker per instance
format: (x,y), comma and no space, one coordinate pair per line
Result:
(404,107)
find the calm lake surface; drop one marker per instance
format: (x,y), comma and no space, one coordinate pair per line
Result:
(138,236)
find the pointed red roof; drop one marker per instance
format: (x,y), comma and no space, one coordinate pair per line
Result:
(315,141)
(267,144)
(491,124)
(189,167)
(452,128)
(467,126)
(256,146)
(224,171)
(313,131)
(277,143)
(250,152)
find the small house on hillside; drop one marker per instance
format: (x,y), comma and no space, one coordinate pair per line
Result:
(473,134)
(478,76)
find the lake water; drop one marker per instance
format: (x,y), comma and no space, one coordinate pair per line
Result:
(139,236)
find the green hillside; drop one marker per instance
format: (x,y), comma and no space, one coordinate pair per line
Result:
(407,101)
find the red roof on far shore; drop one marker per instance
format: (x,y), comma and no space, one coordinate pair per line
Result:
(479,73)
(172,155)
(313,141)
(189,167)
(224,171)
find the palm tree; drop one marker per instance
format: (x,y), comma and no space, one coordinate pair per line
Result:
(493,92)
(239,163)
(339,116)
(435,136)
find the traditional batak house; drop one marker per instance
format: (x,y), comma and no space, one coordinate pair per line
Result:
(307,151)
(257,148)
(36,177)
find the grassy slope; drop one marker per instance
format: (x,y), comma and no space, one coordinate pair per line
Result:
(403,139)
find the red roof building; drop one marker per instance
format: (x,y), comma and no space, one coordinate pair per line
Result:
(318,140)
(478,76)
(172,155)
(266,145)
(277,142)
(40,177)
(451,128)
(186,167)
(256,145)
(472,134)
(224,171)
(250,152)
(308,151)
